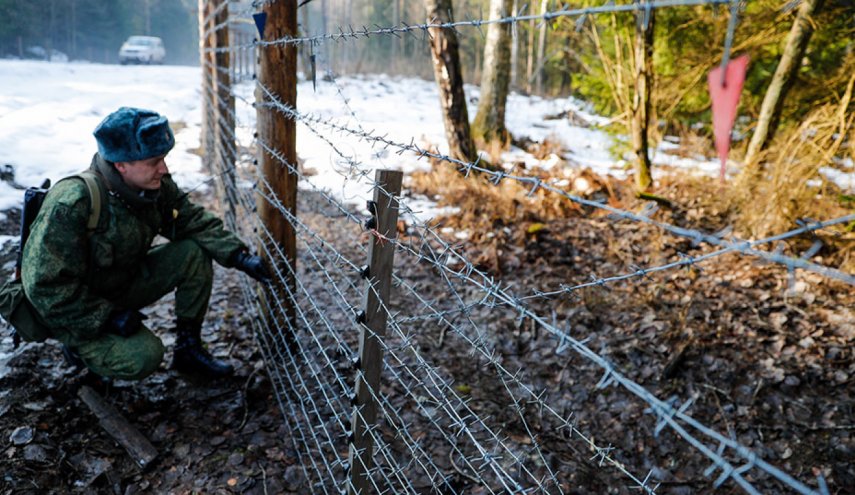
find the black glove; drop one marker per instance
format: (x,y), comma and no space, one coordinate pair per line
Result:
(251,265)
(124,322)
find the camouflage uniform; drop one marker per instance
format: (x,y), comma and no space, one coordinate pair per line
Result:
(75,281)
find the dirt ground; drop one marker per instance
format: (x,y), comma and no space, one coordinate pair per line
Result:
(766,361)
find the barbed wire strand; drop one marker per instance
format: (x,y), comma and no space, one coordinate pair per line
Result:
(268,151)
(284,210)
(657,407)
(537,183)
(724,466)
(366,33)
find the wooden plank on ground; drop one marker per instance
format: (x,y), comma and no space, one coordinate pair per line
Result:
(137,446)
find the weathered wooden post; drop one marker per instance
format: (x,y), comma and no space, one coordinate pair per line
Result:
(381,254)
(278,73)
(206,59)
(235,55)
(224,110)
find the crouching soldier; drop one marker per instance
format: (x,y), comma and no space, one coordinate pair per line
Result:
(88,285)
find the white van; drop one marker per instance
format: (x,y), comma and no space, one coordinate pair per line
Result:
(142,50)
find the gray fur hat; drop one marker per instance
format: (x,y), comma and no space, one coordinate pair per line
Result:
(131,134)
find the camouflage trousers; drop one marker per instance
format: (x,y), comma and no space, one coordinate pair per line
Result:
(181,266)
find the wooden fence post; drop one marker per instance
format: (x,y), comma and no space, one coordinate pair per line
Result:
(381,254)
(233,41)
(224,110)
(206,58)
(278,73)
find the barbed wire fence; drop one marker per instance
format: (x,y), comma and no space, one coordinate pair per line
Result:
(422,428)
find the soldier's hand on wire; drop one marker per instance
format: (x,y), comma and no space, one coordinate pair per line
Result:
(251,265)
(124,322)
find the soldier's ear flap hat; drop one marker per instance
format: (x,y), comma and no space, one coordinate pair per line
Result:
(131,134)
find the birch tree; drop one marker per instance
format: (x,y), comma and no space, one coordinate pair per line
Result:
(541,49)
(489,123)
(640,121)
(445,53)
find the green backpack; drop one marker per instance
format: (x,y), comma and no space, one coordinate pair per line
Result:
(15,308)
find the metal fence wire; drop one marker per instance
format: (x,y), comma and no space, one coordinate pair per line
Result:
(514,433)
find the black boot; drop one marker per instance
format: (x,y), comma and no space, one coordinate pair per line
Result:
(191,358)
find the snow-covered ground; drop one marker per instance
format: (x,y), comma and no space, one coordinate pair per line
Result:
(48,112)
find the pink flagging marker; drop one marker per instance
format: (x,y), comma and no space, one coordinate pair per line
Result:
(724,93)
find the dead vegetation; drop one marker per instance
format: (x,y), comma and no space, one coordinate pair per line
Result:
(483,203)
(786,185)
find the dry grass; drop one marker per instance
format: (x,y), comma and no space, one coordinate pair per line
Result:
(772,196)
(177,126)
(499,215)
(484,205)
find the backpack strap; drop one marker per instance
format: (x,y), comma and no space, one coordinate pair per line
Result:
(96,199)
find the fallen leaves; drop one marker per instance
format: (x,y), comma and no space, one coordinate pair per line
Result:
(21,436)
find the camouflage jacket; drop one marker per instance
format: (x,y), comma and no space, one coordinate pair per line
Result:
(69,276)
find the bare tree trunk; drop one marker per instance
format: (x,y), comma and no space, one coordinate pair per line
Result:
(529,67)
(570,60)
(445,53)
(475,75)
(74,29)
(52,30)
(347,49)
(541,50)
(396,20)
(782,80)
(640,121)
(489,123)
(304,54)
(327,50)
(515,49)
